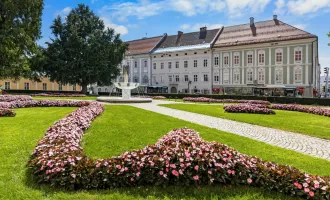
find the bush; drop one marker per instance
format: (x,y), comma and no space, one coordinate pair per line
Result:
(300,108)
(152,97)
(42,103)
(210,100)
(9,98)
(248,108)
(59,95)
(7,113)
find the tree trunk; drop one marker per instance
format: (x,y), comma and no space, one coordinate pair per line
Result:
(84,88)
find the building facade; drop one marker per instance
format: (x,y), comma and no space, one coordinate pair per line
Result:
(44,86)
(257,58)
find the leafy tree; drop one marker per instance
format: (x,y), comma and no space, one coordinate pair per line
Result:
(20,23)
(82,50)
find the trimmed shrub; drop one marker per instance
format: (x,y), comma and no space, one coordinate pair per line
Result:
(210,100)
(151,97)
(9,98)
(59,95)
(248,108)
(7,113)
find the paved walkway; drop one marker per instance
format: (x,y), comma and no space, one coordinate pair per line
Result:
(293,141)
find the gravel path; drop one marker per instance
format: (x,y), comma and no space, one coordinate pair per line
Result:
(289,140)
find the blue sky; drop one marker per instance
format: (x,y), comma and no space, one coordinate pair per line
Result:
(135,19)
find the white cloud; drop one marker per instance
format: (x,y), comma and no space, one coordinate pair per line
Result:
(301,26)
(196,27)
(239,7)
(64,12)
(301,7)
(122,30)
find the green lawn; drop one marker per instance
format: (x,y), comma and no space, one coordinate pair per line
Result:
(305,123)
(118,129)
(75,98)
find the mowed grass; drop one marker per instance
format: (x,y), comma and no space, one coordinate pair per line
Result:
(63,98)
(305,123)
(124,128)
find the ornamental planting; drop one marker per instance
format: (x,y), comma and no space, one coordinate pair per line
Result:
(210,100)
(248,108)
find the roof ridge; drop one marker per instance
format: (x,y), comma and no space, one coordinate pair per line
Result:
(194,32)
(145,38)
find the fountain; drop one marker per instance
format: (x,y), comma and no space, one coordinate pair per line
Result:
(126,88)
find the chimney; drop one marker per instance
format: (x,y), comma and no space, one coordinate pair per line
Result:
(202,32)
(180,33)
(251,21)
(179,36)
(274,17)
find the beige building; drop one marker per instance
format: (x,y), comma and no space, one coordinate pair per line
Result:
(44,85)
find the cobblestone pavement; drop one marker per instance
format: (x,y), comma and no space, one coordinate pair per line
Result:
(289,140)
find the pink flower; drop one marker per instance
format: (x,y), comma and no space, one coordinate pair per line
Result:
(211,180)
(98,165)
(132,179)
(175,173)
(249,180)
(172,166)
(161,173)
(324,188)
(306,190)
(210,172)
(181,159)
(118,166)
(299,186)
(316,185)
(305,184)
(138,174)
(196,167)
(311,193)
(196,177)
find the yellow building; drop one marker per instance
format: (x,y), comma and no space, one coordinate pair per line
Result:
(44,85)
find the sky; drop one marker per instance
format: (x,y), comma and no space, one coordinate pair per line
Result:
(135,19)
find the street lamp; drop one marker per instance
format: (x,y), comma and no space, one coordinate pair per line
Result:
(189,82)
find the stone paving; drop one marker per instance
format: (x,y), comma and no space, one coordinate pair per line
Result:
(289,140)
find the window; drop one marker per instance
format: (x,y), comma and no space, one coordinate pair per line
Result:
(99,89)
(44,86)
(297,74)
(185,64)
(74,88)
(136,79)
(278,75)
(279,56)
(236,58)
(298,54)
(26,86)
(154,78)
(186,78)
(169,65)
(261,57)
(250,58)
(59,87)
(177,78)
(161,79)
(135,64)
(236,76)
(249,76)
(155,65)
(145,63)
(216,78)
(206,77)
(226,76)
(177,64)
(170,78)
(226,60)
(7,85)
(195,78)
(195,63)
(145,79)
(161,65)
(205,63)
(216,61)
(261,75)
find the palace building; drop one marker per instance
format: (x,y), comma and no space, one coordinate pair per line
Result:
(256,58)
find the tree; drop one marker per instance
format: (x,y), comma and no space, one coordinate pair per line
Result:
(20,23)
(82,50)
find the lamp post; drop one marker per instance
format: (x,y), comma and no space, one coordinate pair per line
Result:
(189,82)
(326,71)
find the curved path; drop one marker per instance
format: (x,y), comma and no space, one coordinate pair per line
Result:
(301,143)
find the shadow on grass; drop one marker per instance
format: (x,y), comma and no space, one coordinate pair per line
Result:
(215,191)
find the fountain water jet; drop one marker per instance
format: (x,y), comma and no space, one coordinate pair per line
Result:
(126,88)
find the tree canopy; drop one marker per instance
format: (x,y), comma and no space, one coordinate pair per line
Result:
(82,51)
(20,23)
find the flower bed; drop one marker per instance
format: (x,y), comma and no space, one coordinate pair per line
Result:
(248,108)
(9,98)
(151,97)
(59,95)
(42,103)
(210,100)
(300,108)
(7,112)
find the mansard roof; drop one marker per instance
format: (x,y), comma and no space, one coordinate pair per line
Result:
(144,45)
(260,32)
(189,39)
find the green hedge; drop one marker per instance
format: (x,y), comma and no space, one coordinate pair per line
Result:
(286,100)
(38,91)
